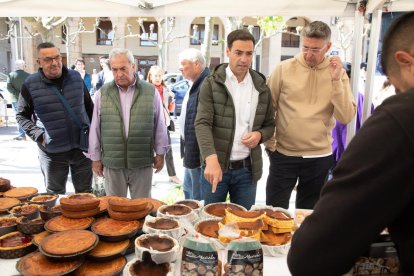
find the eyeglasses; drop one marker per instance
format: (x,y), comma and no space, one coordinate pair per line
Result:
(51,59)
(312,50)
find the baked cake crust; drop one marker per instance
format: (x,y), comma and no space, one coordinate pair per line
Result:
(68,243)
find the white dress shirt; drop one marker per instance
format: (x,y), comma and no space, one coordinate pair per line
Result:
(245,98)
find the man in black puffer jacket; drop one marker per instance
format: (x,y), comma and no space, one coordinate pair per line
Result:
(192,65)
(46,121)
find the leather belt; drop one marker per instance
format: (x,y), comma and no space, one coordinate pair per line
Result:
(240,164)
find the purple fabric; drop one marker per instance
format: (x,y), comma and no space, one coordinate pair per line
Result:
(161,143)
(339,131)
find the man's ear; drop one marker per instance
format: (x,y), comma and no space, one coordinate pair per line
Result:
(38,62)
(227,51)
(403,58)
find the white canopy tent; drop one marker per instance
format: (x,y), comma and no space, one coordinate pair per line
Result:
(126,8)
(160,8)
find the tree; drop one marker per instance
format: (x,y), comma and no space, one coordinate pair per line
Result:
(69,38)
(165,28)
(208,35)
(44,26)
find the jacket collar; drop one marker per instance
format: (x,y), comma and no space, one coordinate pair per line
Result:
(324,64)
(259,80)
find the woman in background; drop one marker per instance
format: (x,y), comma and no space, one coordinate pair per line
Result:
(155,75)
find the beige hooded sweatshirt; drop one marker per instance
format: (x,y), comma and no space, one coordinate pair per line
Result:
(307,102)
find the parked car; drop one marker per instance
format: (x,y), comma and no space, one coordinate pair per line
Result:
(172,78)
(4,93)
(179,89)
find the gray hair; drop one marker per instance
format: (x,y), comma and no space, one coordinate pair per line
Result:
(20,64)
(317,29)
(192,54)
(115,52)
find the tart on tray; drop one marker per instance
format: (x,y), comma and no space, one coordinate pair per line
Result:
(38,264)
(68,243)
(61,223)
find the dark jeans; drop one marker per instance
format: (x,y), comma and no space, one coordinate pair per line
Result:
(238,183)
(284,171)
(55,169)
(169,160)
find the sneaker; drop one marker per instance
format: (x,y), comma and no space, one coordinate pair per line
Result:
(175,179)
(20,138)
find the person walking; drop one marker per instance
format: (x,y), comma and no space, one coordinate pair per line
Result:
(309,92)
(52,104)
(155,75)
(80,67)
(15,81)
(234,116)
(128,134)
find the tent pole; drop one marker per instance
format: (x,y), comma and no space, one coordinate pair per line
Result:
(372,61)
(356,61)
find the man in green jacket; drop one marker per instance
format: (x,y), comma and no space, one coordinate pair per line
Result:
(234,116)
(15,81)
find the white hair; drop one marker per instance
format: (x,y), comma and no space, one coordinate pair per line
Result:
(20,64)
(192,54)
(121,51)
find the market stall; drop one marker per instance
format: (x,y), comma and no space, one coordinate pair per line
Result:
(82,232)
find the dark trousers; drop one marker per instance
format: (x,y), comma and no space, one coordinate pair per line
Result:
(169,160)
(285,171)
(55,168)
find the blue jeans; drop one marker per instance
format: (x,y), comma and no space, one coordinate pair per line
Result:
(191,183)
(19,129)
(238,183)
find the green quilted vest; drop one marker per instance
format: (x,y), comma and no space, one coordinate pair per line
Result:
(136,151)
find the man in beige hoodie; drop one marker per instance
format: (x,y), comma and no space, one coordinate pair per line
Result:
(309,92)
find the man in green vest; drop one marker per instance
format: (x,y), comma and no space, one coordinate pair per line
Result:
(128,135)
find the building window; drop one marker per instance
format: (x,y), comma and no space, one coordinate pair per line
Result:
(149,37)
(104,33)
(255,32)
(282,58)
(197,32)
(290,40)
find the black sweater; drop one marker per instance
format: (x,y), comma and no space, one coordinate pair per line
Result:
(372,188)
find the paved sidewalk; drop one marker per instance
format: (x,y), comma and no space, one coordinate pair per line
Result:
(19,163)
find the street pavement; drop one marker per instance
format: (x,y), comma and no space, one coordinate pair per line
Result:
(19,163)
